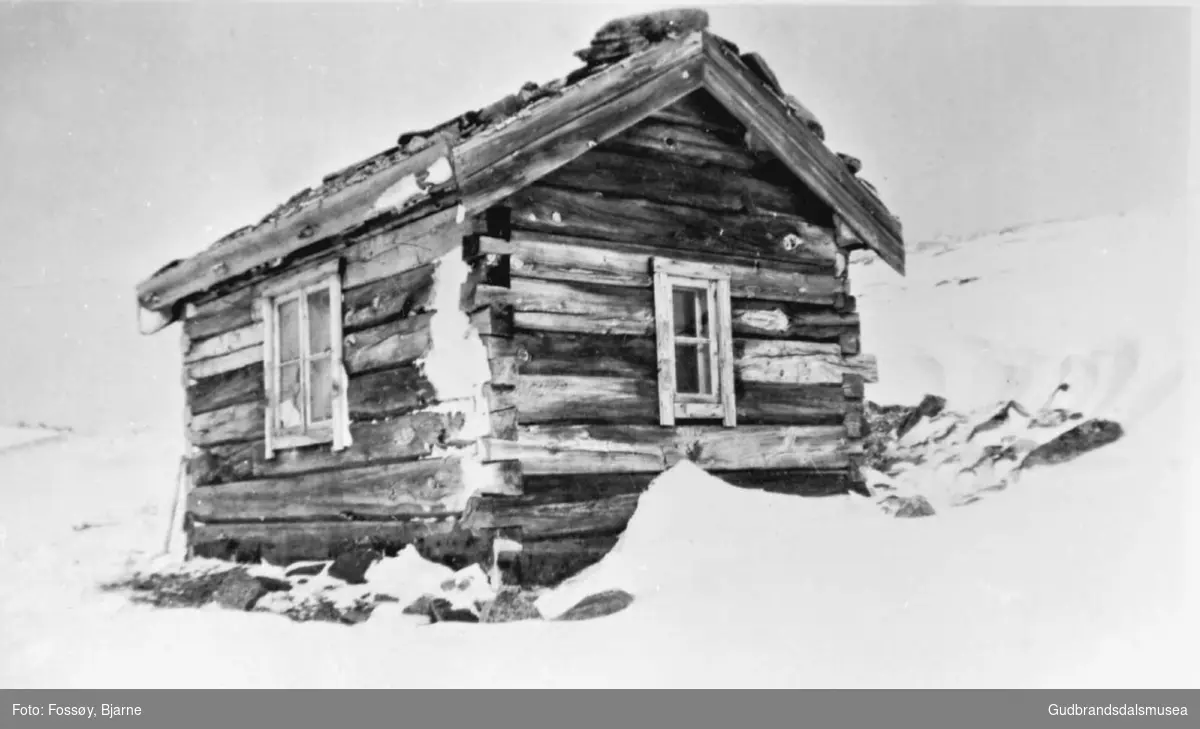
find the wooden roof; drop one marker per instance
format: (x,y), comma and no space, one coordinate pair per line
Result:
(635,67)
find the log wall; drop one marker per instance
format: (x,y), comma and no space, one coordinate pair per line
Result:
(406,475)
(576,255)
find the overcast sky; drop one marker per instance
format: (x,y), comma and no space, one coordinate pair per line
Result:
(134,134)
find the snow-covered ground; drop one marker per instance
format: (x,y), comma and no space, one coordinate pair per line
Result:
(1081,574)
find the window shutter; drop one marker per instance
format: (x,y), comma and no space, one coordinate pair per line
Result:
(665,336)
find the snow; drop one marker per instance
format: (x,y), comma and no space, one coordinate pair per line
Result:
(1079,574)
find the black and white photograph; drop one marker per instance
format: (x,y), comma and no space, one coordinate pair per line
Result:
(496,345)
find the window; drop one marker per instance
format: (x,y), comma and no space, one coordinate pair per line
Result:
(302,360)
(695,342)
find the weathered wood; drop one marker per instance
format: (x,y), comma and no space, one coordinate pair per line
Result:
(232,311)
(233,423)
(243,385)
(767,236)
(620,173)
(586,355)
(504,360)
(349,206)
(701,110)
(432,487)
(619,309)
(222,344)
(798,362)
(763,403)
(388,298)
(493,320)
(782,320)
(849,343)
(540,517)
(213,366)
(550,561)
(387,345)
(586,486)
(762,111)
(799,482)
(546,398)
(405,247)
(286,542)
(602,448)
(852,386)
(404,438)
(492,165)
(673,142)
(388,393)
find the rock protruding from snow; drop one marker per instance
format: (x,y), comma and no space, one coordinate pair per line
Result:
(352,566)
(1085,437)
(599,605)
(239,591)
(929,407)
(907,507)
(510,605)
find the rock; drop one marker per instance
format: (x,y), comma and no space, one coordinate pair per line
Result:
(930,406)
(239,591)
(420,606)
(271,584)
(599,605)
(307,569)
(510,605)
(442,611)
(1053,418)
(352,566)
(999,417)
(1086,436)
(907,507)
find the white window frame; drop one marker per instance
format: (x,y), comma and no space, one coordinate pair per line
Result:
(335,429)
(670,274)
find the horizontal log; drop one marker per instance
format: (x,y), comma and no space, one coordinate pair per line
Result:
(222,344)
(798,482)
(282,543)
(586,355)
(392,297)
(229,424)
(432,487)
(494,320)
(765,236)
(409,437)
(213,366)
(560,259)
(550,561)
(404,248)
(603,448)
(624,174)
(231,311)
(701,110)
(792,362)
(391,344)
(764,403)
(388,393)
(539,518)
(670,141)
(585,486)
(554,398)
(235,387)
(784,320)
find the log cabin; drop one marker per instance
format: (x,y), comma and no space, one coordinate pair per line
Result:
(510,323)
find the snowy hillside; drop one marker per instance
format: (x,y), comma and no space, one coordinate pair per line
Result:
(1076,575)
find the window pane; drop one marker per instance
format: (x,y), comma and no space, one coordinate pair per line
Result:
(291,396)
(321,389)
(685,311)
(703,368)
(318,321)
(687,375)
(289,330)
